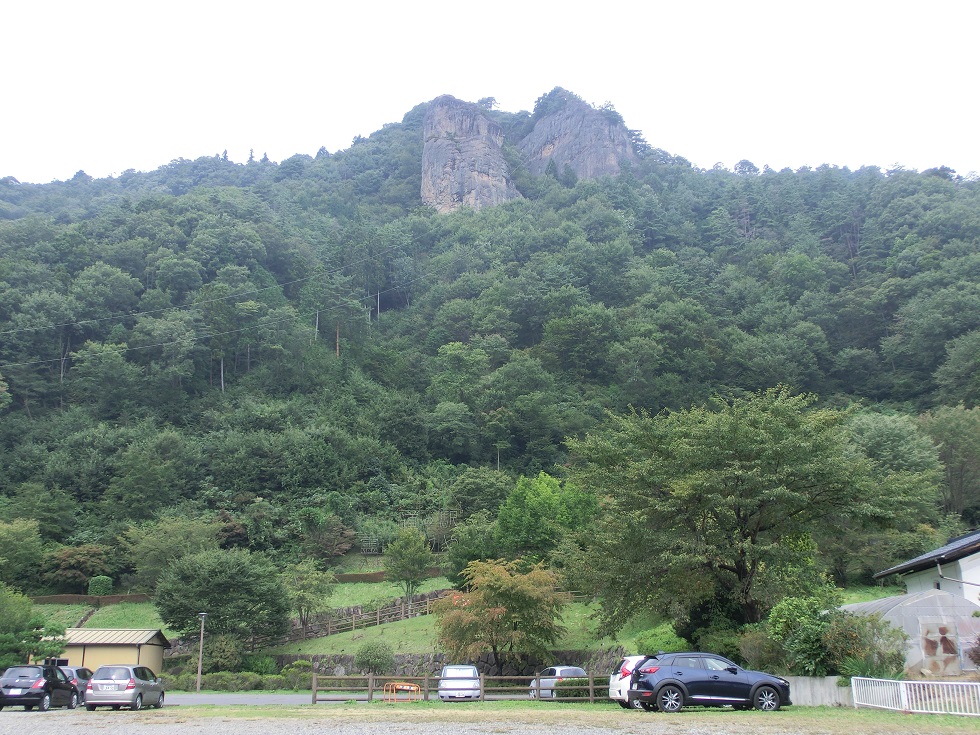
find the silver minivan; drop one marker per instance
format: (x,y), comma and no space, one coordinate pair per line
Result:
(459,681)
(123,685)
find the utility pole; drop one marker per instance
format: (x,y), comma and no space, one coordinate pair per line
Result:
(200,651)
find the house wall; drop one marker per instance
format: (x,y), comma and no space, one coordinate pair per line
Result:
(970,572)
(965,570)
(94,656)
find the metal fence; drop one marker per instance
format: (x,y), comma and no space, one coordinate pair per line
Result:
(922,697)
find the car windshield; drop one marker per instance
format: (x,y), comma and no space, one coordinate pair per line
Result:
(573,672)
(459,672)
(22,672)
(112,672)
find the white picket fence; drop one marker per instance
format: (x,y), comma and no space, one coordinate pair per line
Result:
(923,697)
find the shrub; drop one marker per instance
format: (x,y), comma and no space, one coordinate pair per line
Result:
(862,645)
(299,674)
(260,664)
(798,624)
(577,688)
(761,652)
(274,681)
(974,652)
(248,681)
(375,657)
(720,640)
(100,586)
(186,682)
(661,638)
(180,663)
(222,652)
(819,639)
(223,681)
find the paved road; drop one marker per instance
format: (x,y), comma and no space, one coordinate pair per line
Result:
(189,698)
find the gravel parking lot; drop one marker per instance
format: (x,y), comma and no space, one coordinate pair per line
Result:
(471,719)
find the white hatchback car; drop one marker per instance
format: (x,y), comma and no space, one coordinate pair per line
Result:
(619,681)
(546,684)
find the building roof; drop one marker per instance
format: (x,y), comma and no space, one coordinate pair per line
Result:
(957,548)
(929,602)
(116,637)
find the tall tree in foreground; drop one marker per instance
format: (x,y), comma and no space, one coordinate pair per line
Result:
(717,504)
(241,592)
(505,611)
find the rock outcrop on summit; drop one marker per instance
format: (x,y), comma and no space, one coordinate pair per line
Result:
(462,158)
(463,162)
(576,136)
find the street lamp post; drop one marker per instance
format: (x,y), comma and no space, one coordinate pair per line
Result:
(200,651)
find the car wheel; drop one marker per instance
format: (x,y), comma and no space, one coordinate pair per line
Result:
(532,693)
(766,699)
(670,699)
(639,704)
(90,707)
(45,704)
(159,703)
(621,703)
(73,702)
(137,703)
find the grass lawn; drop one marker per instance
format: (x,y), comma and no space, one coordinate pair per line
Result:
(866,593)
(418,635)
(415,635)
(349,594)
(66,615)
(129,615)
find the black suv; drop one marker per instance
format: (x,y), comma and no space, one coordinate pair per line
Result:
(669,681)
(34,685)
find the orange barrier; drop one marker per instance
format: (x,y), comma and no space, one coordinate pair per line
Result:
(401,691)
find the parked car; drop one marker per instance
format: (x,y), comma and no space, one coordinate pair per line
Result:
(670,681)
(123,685)
(458,681)
(34,685)
(619,681)
(544,685)
(79,676)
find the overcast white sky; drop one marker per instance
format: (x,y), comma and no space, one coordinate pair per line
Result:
(104,86)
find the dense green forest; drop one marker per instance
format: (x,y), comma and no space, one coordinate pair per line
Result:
(298,355)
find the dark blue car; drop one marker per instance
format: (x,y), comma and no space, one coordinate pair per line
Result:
(31,686)
(670,681)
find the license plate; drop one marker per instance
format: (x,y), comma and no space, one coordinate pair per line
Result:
(109,687)
(15,691)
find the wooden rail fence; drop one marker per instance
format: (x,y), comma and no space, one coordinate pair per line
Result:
(409,688)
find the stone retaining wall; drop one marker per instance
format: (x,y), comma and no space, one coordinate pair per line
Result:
(411,665)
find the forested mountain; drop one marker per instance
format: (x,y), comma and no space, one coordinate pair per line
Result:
(298,350)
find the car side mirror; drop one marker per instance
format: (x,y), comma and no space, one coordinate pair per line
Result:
(733,669)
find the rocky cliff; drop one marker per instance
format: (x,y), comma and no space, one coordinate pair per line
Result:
(574,135)
(463,162)
(462,158)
